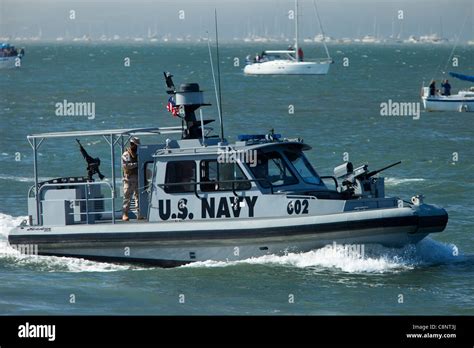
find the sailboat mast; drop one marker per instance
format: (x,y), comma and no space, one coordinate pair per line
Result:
(322,30)
(296,31)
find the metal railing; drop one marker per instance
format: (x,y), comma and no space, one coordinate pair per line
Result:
(332,178)
(87,199)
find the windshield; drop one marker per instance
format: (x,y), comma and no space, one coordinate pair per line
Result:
(272,169)
(303,167)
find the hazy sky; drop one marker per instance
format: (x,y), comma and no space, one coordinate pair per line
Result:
(237,18)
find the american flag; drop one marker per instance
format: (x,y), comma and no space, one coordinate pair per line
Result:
(171,107)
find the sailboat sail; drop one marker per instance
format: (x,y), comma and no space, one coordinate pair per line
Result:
(462,77)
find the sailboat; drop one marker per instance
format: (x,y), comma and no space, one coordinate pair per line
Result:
(288,62)
(463,101)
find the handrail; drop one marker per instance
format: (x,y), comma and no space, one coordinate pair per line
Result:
(298,196)
(86,199)
(75,184)
(330,177)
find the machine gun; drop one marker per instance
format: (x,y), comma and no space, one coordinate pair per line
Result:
(92,164)
(359,182)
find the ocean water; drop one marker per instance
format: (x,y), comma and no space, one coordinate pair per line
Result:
(335,114)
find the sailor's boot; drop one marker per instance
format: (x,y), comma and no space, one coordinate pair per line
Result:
(125,216)
(139,216)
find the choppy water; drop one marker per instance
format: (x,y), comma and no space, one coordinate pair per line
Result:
(336,113)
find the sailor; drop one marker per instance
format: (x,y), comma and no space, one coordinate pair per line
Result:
(130,177)
(446,88)
(432,88)
(300,54)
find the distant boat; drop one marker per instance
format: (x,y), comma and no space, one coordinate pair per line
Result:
(463,101)
(433,39)
(412,39)
(287,62)
(83,38)
(10,57)
(322,38)
(370,39)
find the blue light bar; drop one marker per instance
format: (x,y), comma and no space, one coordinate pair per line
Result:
(247,137)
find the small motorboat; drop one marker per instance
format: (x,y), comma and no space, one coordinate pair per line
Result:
(10,57)
(205,198)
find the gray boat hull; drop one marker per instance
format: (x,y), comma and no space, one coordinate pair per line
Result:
(179,242)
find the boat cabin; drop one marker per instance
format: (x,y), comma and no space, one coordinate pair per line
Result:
(198,176)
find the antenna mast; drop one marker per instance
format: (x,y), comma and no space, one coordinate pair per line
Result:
(219,76)
(296,31)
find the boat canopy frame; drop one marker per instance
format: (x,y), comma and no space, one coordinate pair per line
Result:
(111,136)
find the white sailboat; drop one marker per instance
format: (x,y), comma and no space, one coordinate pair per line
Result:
(288,62)
(436,100)
(463,101)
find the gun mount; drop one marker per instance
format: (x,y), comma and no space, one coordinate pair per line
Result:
(92,164)
(360,182)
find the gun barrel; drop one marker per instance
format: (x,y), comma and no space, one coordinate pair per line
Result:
(372,173)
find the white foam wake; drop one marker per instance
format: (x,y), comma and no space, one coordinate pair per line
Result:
(397,181)
(46,263)
(374,259)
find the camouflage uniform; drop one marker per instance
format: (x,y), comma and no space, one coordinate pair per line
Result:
(130,179)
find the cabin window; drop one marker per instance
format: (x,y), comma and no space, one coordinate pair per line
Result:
(272,169)
(179,176)
(303,167)
(215,175)
(148,173)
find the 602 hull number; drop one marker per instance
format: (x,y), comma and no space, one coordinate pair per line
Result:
(298,207)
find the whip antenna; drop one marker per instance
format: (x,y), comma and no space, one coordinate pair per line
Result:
(215,87)
(219,75)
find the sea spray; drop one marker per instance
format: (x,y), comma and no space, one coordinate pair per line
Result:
(14,256)
(376,258)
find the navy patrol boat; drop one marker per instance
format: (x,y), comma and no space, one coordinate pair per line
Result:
(204,198)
